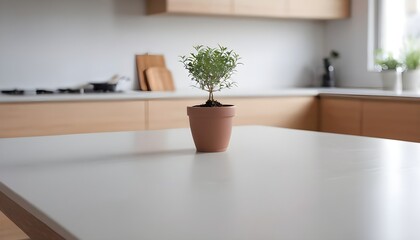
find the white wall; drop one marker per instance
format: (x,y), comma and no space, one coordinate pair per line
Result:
(60,43)
(350,38)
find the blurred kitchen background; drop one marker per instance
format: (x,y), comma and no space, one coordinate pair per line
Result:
(51,44)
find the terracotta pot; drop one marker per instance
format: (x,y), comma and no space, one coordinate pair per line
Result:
(211,127)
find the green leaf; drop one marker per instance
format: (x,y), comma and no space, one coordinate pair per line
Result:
(211,68)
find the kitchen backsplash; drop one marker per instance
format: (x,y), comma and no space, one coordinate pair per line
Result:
(51,44)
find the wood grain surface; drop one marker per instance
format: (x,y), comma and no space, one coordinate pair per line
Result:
(391,119)
(53,118)
(9,230)
(309,9)
(30,225)
(289,112)
(341,115)
(159,79)
(144,62)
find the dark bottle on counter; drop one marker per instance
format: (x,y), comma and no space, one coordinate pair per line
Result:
(328,79)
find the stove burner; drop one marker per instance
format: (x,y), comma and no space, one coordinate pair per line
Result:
(69,90)
(43,91)
(13,92)
(56,92)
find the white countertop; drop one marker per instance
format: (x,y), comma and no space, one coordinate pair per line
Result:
(196,93)
(272,183)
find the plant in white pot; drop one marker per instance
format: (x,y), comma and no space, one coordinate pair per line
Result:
(211,70)
(388,66)
(411,74)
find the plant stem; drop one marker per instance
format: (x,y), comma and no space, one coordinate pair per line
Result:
(211,97)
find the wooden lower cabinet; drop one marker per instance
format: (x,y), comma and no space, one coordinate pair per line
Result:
(341,115)
(289,112)
(356,115)
(391,119)
(53,118)
(373,117)
(172,113)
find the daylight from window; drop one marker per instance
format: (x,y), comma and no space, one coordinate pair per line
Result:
(399,25)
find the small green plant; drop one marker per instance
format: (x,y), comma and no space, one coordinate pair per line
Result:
(385,61)
(412,59)
(411,54)
(211,70)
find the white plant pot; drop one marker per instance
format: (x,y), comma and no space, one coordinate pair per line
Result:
(391,80)
(411,80)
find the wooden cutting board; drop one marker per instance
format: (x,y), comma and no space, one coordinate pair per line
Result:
(159,79)
(144,62)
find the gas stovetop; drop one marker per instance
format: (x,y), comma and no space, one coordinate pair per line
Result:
(58,91)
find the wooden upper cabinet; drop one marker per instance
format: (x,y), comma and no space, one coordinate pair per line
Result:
(311,9)
(262,8)
(222,7)
(319,9)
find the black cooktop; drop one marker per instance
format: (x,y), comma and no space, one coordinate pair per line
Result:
(58,91)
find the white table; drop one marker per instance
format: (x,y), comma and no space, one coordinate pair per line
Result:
(272,183)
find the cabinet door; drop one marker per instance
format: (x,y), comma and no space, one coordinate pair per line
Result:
(392,119)
(52,118)
(172,113)
(289,112)
(197,6)
(311,9)
(322,9)
(263,8)
(201,6)
(341,115)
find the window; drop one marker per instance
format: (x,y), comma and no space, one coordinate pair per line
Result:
(398,21)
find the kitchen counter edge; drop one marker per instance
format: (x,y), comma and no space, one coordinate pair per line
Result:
(139,95)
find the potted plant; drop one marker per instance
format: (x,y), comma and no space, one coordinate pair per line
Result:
(411,75)
(211,70)
(388,66)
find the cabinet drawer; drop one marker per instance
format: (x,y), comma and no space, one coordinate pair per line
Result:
(391,119)
(164,114)
(52,118)
(289,112)
(340,115)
